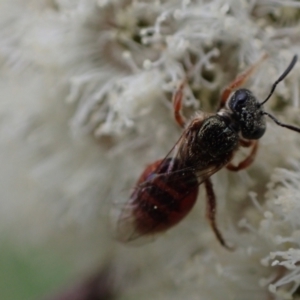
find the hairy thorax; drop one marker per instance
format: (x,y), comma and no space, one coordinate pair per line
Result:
(213,143)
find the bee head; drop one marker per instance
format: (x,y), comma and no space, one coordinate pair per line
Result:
(248,113)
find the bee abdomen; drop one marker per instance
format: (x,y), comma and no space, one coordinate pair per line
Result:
(164,200)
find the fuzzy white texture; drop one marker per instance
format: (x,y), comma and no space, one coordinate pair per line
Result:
(85,105)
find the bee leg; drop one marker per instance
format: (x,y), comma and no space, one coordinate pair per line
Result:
(248,160)
(177,105)
(211,207)
(246,143)
(240,80)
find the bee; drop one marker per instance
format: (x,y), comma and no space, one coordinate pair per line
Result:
(168,188)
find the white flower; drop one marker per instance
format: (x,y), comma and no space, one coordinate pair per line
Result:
(86,90)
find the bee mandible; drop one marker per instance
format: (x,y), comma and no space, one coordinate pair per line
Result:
(168,188)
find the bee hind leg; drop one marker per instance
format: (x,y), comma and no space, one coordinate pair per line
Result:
(248,160)
(211,206)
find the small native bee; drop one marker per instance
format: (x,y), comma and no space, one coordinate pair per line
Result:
(168,188)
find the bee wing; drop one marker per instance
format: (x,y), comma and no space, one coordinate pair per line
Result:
(205,174)
(125,230)
(170,171)
(124,218)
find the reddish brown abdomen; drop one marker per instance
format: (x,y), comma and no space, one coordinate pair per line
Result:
(163,197)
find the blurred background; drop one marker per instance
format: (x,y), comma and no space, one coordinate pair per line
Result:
(85,105)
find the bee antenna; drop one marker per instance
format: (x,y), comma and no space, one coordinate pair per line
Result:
(284,74)
(291,127)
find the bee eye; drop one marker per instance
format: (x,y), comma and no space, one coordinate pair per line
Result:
(239,99)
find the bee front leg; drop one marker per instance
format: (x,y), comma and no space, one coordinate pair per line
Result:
(239,80)
(211,207)
(177,105)
(248,160)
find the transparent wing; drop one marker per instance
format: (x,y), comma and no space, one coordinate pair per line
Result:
(163,195)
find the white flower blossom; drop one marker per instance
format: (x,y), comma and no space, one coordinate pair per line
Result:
(86,89)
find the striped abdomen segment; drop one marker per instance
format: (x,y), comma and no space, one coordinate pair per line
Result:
(163,197)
